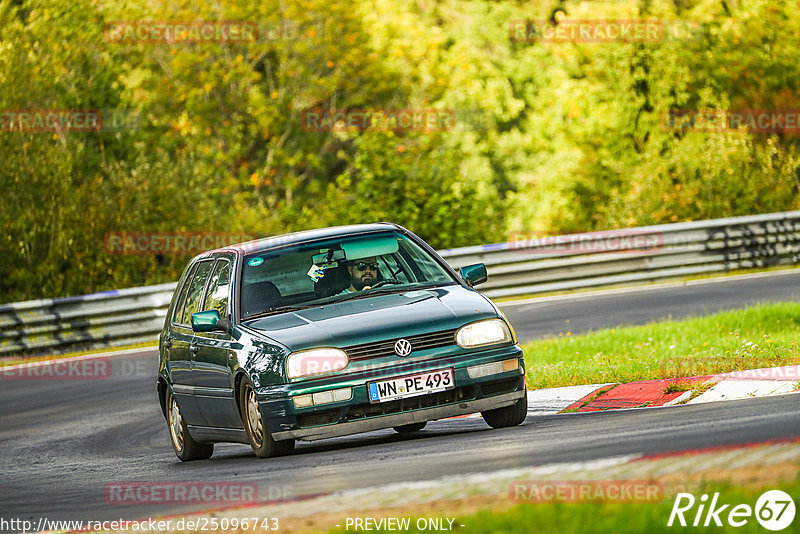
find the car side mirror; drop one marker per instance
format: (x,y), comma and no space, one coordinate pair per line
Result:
(209,321)
(474,274)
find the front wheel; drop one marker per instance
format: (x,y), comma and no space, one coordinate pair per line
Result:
(257,431)
(509,415)
(186,448)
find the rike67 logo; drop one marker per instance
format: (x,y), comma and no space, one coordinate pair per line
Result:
(774,510)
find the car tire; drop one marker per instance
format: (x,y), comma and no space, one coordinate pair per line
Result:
(409,428)
(258,433)
(186,448)
(509,415)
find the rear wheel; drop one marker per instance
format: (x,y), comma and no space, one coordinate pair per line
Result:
(257,431)
(186,448)
(413,427)
(509,415)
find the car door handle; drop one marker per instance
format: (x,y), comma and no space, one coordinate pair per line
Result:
(193,349)
(167,343)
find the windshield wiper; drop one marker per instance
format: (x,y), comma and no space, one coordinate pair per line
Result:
(352,296)
(385,290)
(390,289)
(275,311)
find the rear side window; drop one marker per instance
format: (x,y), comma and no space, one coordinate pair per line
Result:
(217,295)
(196,285)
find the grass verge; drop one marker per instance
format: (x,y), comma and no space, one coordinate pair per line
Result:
(752,338)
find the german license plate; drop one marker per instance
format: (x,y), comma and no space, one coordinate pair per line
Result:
(410,386)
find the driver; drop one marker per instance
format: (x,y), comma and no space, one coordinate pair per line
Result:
(363,273)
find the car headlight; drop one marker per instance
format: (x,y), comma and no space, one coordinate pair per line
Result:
(489,332)
(315,362)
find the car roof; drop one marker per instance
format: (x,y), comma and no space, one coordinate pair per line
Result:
(304,236)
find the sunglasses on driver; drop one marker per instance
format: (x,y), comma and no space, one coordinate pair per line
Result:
(363,266)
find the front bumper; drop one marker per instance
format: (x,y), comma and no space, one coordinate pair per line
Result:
(358,414)
(388,421)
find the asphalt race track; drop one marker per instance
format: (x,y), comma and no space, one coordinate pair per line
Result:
(62,441)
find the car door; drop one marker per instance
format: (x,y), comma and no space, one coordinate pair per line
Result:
(181,337)
(213,389)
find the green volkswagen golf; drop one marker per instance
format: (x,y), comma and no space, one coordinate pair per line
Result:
(331,332)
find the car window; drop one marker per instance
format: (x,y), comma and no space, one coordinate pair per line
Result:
(178,311)
(218,286)
(195,291)
(287,271)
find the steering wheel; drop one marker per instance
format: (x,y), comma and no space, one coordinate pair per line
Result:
(393,281)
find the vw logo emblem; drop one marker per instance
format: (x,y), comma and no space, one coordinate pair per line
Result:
(402,347)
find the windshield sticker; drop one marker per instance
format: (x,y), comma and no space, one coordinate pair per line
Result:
(255,262)
(316,272)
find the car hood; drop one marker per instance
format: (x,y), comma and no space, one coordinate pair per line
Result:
(375,318)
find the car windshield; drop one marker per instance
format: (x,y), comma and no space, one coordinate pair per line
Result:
(331,270)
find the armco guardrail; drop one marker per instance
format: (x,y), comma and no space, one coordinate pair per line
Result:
(632,255)
(98,320)
(519,267)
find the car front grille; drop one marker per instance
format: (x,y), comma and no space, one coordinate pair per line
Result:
(325,417)
(430,400)
(378,349)
(500,386)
